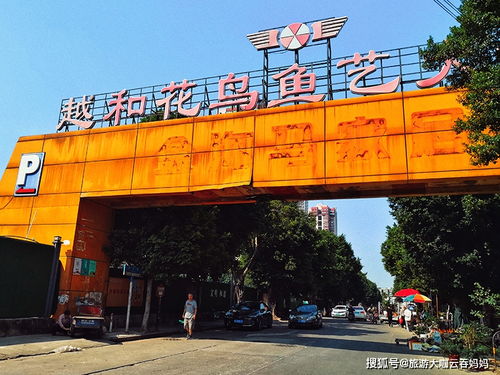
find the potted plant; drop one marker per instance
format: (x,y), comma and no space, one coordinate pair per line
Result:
(452,350)
(421,330)
(476,338)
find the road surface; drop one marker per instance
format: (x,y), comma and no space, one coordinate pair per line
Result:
(339,347)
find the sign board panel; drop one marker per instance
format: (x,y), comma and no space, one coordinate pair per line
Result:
(28,175)
(84,267)
(160,291)
(132,271)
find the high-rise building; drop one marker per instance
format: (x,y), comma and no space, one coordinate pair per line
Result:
(326,217)
(303,205)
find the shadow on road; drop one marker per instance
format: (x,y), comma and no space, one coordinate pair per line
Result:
(365,337)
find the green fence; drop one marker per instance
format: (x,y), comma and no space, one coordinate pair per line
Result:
(25,269)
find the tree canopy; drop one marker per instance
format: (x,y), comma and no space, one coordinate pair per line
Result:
(475,45)
(166,242)
(272,244)
(444,243)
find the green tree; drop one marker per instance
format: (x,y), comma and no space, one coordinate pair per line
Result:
(475,44)
(446,243)
(240,226)
(168,242)
(297,261)
(339,272)
(487,304)
(369,292)
(158,116)
(400,263)
(284,262)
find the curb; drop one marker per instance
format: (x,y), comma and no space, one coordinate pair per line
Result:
(152,335)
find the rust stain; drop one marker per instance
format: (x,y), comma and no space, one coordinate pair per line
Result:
(231,141)
(301,132)
(363,127)
(175,145)
(435,120)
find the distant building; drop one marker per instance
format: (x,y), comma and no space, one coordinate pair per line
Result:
(386,291)
(303,205)
(326,217)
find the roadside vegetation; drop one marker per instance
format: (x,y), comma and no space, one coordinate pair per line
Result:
(272,246)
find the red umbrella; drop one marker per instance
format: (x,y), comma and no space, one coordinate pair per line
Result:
(406,292)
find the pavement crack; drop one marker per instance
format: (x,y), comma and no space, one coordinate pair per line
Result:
(148,360)
(17,356)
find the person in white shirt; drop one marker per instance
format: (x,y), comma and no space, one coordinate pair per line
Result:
(63,323)
(407,315)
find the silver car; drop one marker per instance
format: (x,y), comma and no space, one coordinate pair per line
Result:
(339,311)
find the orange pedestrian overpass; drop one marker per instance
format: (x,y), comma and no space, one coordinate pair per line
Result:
(396,144)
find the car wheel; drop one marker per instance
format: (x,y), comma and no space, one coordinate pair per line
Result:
(99,333)
(270,324)
(290,325)
(72,332)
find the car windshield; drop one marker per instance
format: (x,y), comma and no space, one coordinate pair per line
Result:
(246,306)
(306,309)
(340,307)
(359,308)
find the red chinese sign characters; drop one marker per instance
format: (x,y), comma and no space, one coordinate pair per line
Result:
(366,70)
(295,86)
(118,107)
(181,93)
(77,113)
(240,97)
(429,82)
(294,82)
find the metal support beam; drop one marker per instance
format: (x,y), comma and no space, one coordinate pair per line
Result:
(51,291)
(265,79)
(329,69)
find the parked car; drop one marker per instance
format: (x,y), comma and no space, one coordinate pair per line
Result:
(305,316)
(339,311)
(359,312)
(249,314)
(384,317)
(89,319)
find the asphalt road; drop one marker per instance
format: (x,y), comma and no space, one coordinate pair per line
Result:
(339,347)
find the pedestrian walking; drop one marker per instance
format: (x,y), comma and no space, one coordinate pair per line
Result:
(407,314)
(401,317)
(189,315)
(389,315)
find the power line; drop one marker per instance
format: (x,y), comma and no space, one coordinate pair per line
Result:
(453,7)
(446,9)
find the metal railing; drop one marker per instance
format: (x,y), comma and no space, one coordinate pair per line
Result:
(404,62)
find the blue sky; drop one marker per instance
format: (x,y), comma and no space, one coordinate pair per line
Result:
(56,49)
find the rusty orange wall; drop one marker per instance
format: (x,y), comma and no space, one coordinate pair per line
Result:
(388,139)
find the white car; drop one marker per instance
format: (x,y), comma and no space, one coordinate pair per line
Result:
(359,312)
(339,311)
